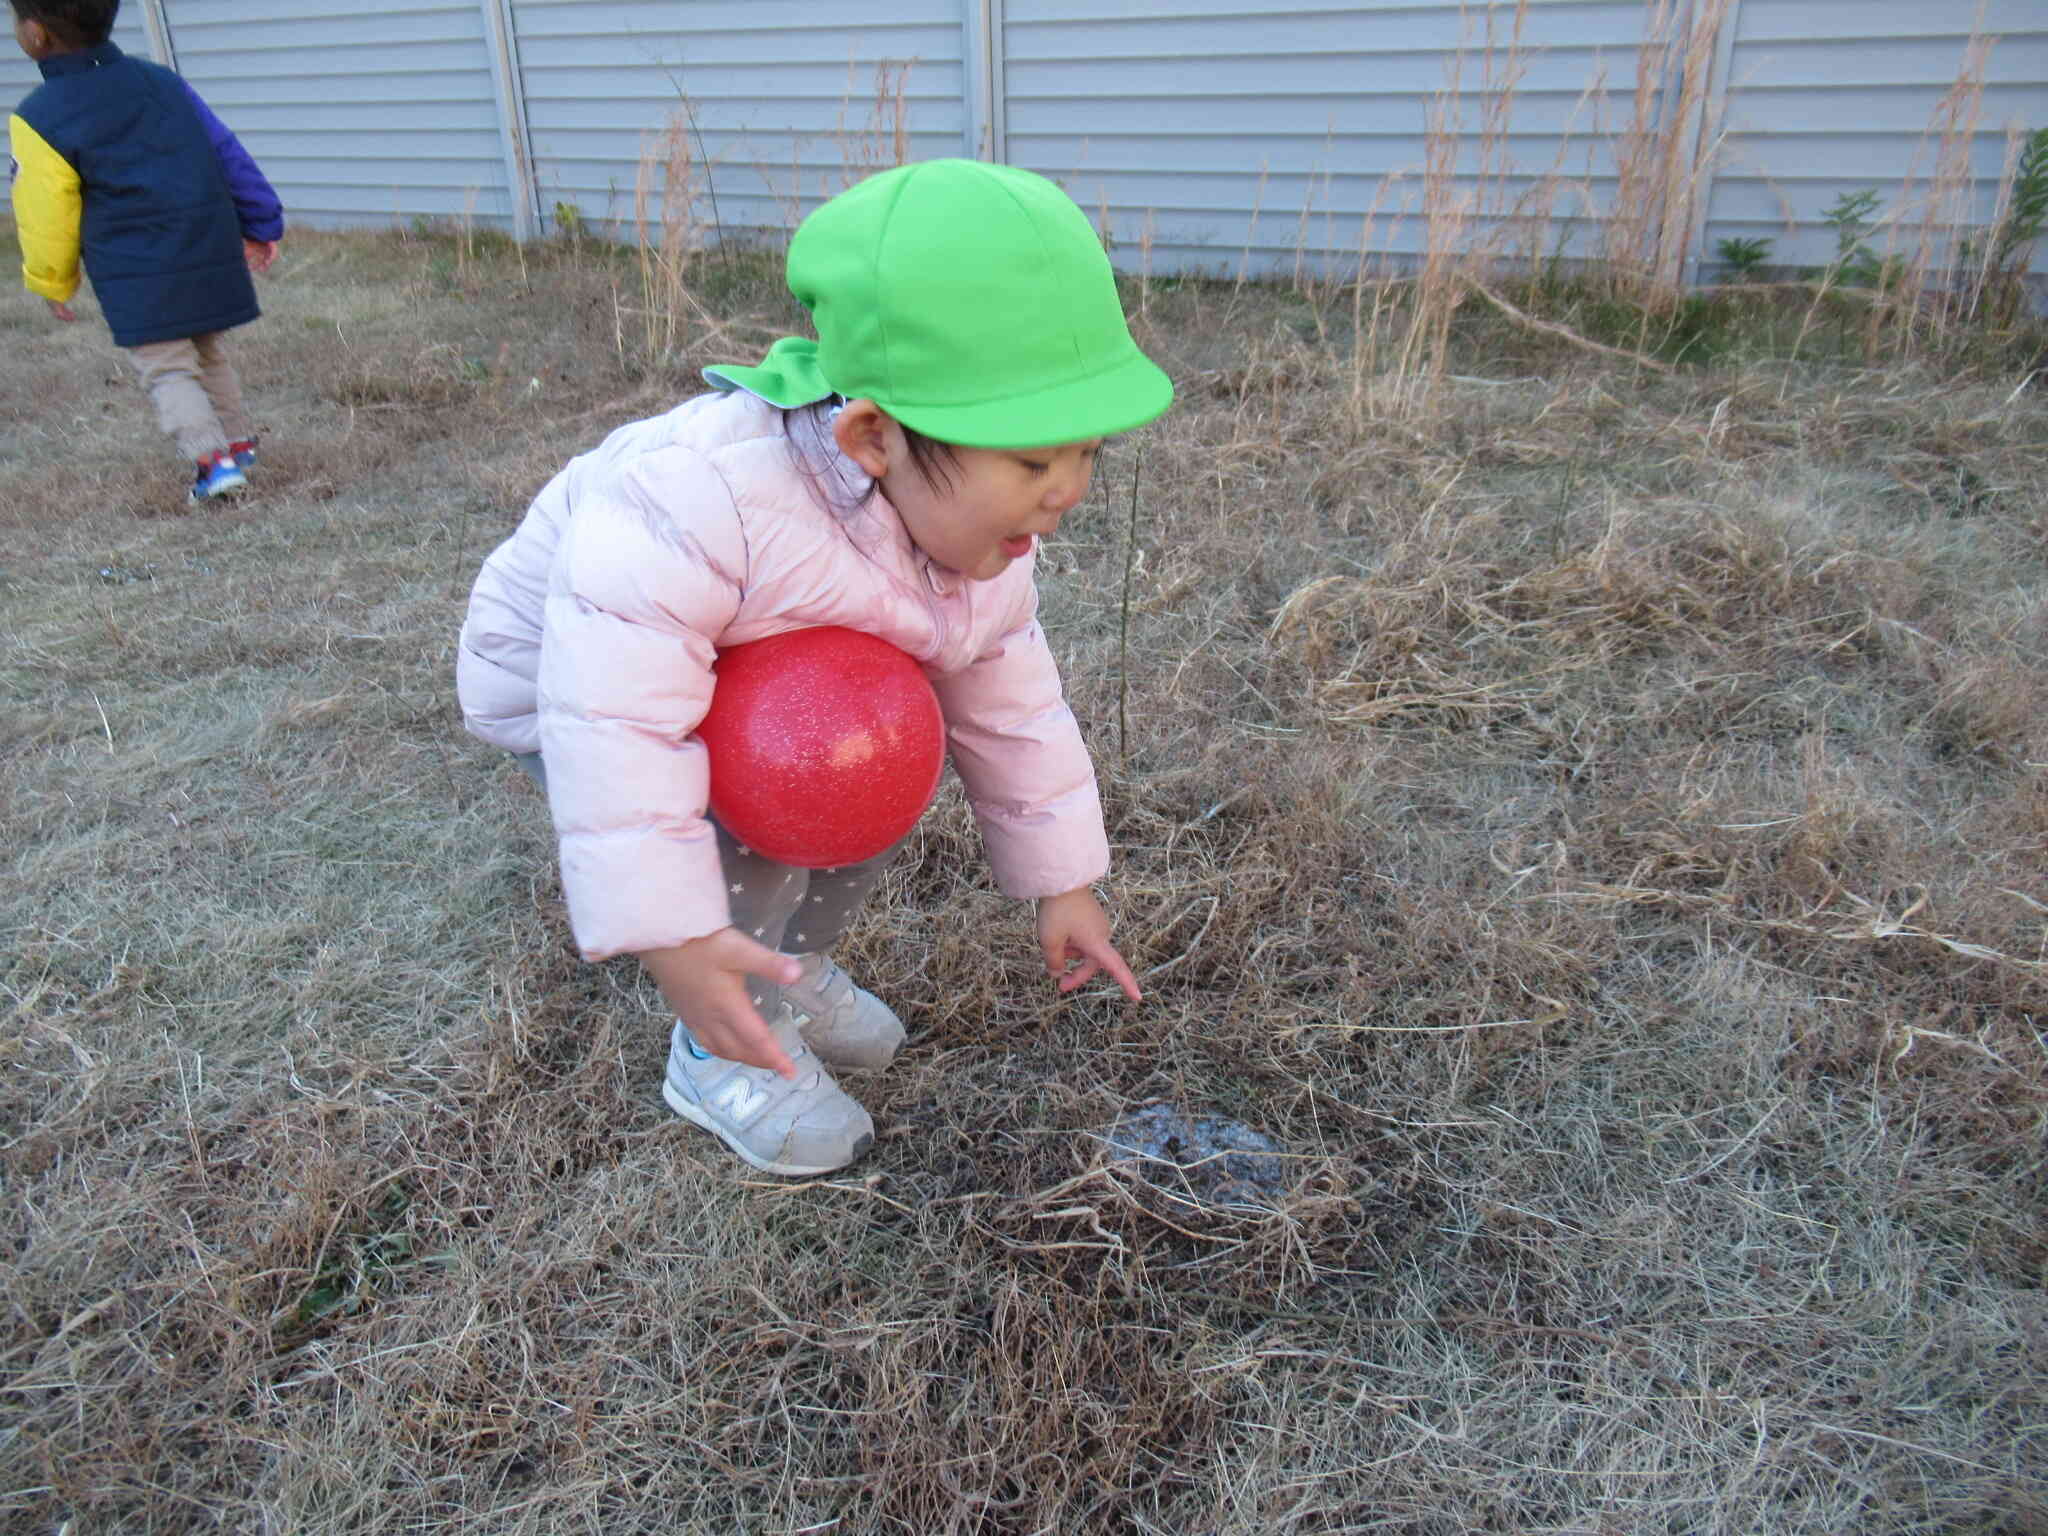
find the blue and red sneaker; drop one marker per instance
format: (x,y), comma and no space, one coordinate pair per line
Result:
(244,454)
(218,476)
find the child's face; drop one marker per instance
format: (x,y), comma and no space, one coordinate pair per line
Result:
(999,503)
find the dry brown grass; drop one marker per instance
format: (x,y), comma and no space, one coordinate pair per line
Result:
(1596,825)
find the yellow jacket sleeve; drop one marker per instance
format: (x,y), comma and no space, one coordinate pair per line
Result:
(46,213)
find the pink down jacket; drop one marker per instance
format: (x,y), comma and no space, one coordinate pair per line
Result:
(591,634)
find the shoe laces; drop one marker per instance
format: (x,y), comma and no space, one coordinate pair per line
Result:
(830,982)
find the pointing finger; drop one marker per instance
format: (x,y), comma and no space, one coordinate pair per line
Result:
(1114,964)
(1081,973)
(754,1042)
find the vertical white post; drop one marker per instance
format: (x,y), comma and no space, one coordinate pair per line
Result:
(159,29)
(507,87)
(982,61)
(1713,119)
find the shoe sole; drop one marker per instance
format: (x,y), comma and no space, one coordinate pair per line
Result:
(697,1117)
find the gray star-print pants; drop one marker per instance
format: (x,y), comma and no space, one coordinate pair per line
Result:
(798,911)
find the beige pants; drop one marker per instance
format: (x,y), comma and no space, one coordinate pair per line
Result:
(198,398)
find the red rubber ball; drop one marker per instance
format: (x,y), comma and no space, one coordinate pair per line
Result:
(826,745)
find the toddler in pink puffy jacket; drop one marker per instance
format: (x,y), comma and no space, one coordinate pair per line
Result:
(894,477)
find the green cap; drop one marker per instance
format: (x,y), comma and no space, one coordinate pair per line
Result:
(972,302)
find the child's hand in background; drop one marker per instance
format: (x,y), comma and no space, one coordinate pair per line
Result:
(62,310)
(261,253)
(1073,927)
(705,982)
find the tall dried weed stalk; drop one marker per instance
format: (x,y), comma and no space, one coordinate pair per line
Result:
(1942,275)
(1663,152)
(1943,271)
(1461,218)
(1483,215)
(882,141)
(878,142)
(668,235)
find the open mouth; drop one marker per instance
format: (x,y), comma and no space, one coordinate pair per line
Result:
(1018,547)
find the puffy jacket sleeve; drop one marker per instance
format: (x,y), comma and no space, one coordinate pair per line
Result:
(649,574)
(256,202)
(1018,750)
(47,209)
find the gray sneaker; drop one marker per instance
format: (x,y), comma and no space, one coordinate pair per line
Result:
(846,1026)
(801,1127)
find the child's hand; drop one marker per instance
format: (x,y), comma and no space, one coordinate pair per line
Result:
(62,310)
(260,253)
(705,982)
(1073,927)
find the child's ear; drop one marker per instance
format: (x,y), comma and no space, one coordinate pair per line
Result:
(861,431)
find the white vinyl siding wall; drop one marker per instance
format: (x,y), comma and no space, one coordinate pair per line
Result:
(1826,97)
(1243,134)
(781,96)
(1209,134)
(356,114)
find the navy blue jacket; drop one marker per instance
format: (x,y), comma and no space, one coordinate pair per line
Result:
(117,160)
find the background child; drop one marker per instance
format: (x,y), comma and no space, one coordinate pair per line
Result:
(119,161)
(893,476)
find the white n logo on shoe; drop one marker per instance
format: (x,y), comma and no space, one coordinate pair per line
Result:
(738,1100)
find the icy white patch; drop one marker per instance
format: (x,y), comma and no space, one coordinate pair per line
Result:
(1217,1160)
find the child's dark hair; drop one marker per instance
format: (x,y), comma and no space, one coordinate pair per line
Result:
(74,23)
(935,460)
(808,427)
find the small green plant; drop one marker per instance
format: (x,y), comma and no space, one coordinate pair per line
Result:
(358,1263)
(569,221)
(2026,215)
(2008,248)
(1743,256)
(1852,216)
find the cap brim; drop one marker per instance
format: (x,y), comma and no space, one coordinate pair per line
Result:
(1118,399)
(788,376)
